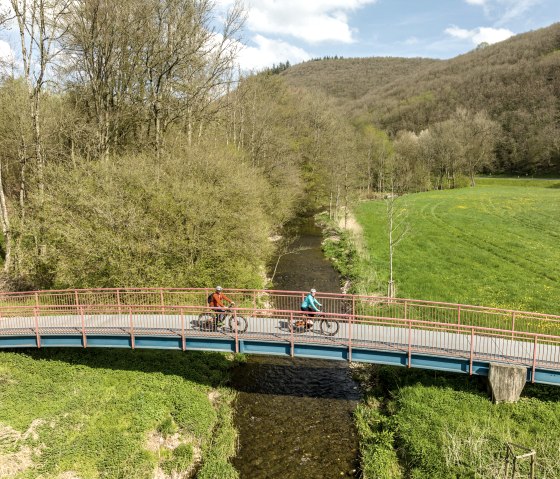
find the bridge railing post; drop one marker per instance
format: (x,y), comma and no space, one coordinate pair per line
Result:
(183,340)
(37,335)
(131,327)
(472,351)
(236,331)
(119,301)
(77,300)
(291,326)
(84,337)
(409,344)
(534,359)
(350,322)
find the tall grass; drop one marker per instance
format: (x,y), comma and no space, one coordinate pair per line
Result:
(431,425)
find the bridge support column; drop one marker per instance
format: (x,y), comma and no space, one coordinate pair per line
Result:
(506,382)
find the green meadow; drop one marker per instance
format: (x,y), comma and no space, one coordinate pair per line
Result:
(494,245)
(115,414)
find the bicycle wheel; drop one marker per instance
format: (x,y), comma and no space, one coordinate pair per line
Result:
(242,323)
(206,322)
(329,327)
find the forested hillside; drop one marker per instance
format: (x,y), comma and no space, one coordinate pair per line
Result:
(516,82)
(132,154)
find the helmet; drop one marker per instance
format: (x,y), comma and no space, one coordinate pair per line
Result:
(218,288)
(313,290)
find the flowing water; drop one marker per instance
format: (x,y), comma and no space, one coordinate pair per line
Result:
(294,416)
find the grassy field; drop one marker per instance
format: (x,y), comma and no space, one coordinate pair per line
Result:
(493,245)
(115,414)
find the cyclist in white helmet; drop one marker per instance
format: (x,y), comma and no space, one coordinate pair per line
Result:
(216,302)
(311,306)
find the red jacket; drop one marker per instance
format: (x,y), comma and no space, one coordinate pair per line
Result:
(217,300)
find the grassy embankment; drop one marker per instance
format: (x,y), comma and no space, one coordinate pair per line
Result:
(115,414)
(494,245)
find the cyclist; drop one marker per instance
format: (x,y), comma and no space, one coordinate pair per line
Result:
(216,302)
(311,306)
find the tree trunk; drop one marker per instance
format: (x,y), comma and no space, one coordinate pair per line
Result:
(6,231)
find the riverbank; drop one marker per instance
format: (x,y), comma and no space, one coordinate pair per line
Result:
(69,414)
(433,425)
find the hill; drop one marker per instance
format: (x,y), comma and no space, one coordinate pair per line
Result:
(517,82)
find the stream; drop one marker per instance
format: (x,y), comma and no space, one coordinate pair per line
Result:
(294,415)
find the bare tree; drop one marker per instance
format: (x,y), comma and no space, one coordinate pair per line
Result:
(39,24)
(397,228)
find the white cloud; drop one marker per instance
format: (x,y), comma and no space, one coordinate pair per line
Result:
(6,53)
(313,21)
(269,52)
(515,8)
(411,41)
(504,11)
(480,34)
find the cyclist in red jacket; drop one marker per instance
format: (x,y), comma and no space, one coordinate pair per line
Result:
(216,302)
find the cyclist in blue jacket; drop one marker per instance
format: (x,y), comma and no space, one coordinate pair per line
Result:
(311,306)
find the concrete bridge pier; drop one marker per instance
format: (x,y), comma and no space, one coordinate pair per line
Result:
(506,382)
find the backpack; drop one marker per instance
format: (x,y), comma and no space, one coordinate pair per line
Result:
(209,298)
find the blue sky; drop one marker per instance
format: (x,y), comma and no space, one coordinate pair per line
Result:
(297,30)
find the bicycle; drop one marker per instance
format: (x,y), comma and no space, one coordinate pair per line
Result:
(327,326)
(215,320)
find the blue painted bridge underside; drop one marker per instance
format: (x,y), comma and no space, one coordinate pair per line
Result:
(253,346)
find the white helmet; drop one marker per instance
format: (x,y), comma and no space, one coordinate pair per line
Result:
(219,288)
(313,290)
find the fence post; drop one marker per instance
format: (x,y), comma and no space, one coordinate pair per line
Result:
(405,309)
(458,314)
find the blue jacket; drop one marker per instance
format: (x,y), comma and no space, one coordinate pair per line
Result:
(311,302)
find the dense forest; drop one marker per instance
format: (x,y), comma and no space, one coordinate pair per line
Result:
(515,82)
(133,153)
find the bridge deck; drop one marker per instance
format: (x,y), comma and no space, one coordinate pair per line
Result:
(382,340)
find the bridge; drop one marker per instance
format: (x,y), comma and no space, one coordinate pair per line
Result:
(401,332)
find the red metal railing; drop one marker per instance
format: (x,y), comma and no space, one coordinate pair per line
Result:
(436,328)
